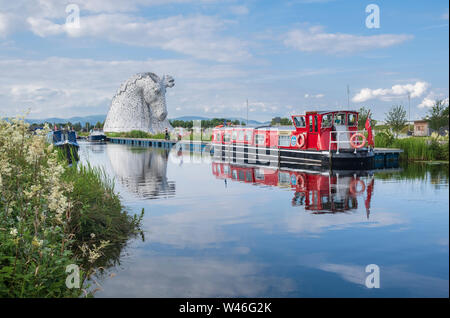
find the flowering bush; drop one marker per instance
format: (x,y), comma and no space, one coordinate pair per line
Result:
(34,214)
(45,213)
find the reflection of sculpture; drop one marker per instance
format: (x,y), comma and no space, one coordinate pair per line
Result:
(140,104)
(142,170)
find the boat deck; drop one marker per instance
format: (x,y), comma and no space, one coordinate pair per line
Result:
(386,150)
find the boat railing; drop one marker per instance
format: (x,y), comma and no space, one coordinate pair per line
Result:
(338,140)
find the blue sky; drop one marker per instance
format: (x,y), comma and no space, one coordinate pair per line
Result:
(286,57)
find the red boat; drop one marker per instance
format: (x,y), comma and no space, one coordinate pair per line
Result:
(317,192)
(317,139)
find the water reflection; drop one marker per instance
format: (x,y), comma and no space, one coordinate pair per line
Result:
(95,147)
(318,192)
(142,171)
(252,231)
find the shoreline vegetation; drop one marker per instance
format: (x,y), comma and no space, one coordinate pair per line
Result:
(53,215)
(173,136)
(433,148)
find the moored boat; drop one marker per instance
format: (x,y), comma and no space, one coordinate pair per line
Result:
(67,141)
(96,135)
(316,140)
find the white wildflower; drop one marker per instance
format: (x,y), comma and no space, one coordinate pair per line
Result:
(13,232)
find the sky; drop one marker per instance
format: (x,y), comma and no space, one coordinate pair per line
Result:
(285,57)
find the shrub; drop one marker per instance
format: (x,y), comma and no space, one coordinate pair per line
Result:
(51,216)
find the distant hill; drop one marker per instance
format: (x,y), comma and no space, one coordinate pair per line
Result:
(93,119)
(189,118)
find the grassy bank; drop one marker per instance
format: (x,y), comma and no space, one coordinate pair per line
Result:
(52,216)
(142,134)
(136,134)
(416,148)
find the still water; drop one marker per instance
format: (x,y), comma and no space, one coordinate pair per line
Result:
(219,230)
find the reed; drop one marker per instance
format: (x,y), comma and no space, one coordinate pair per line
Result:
(416,148)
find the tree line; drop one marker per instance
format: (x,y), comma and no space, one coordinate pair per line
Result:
(437,117)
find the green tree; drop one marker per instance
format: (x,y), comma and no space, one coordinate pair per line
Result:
(281,121)
(396,118)
(438,115)
(363,113)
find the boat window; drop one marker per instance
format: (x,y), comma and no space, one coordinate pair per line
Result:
(248,135)
(234,135)
(300,121)
(284,178)
(339,119)
(218,137)
(316,124)
(284,140)
(241,175)
(234,174)
(248,176)
(351,120)
(327,120)
(241,135)
(259,139)
(310,123)
(226,137)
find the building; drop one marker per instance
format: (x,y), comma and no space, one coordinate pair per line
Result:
(421,128)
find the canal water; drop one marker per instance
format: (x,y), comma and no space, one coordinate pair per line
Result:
(217,230)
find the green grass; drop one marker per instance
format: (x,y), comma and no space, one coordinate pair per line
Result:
(136,134)
(97,209)
(415,148)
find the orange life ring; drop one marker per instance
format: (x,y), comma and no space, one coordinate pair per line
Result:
(353,140)
(354,184)
(301,140)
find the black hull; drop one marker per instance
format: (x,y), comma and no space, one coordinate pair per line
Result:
(295,159)
(70,151)
(97,138)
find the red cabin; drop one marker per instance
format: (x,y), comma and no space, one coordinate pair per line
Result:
(312,131)
(318,138)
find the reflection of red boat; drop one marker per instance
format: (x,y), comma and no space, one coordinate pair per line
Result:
(317,192)
(317,139)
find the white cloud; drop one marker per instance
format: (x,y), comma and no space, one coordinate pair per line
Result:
(416,90)
(430,100)
(314,96)
(314,39)
(239,10)
(197,36)
(67,87)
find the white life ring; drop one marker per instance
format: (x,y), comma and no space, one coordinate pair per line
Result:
(301,140)
(354,143)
